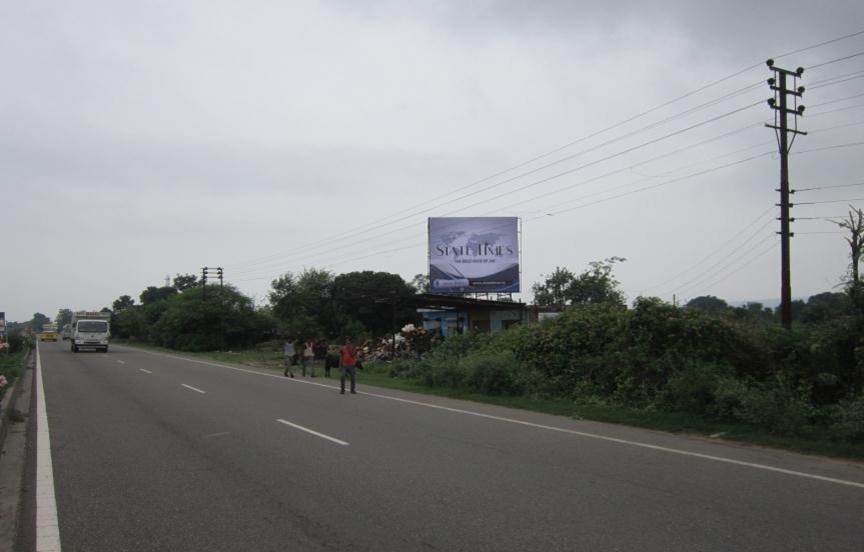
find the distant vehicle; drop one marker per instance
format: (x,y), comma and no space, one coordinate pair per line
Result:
(48,333)
(90,330)
(66,332)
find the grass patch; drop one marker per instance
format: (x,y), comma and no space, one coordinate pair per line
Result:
(673,422)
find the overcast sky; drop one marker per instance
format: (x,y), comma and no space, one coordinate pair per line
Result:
(140,139)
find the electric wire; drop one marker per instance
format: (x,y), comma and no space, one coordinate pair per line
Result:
(714,250)
(829,62)
(544,180)
(827,187)
(584,138)
(743,266)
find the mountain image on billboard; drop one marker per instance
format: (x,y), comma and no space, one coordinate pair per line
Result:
(474,255)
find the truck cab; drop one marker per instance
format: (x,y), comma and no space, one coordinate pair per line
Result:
(90,331)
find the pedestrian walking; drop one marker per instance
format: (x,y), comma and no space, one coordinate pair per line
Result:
(288,351)
(309,358)
(348,360)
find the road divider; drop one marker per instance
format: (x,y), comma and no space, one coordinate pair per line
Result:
(315,433)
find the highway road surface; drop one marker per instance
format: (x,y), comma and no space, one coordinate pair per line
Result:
(155,452)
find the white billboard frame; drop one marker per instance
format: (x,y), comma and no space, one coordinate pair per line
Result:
(461,261)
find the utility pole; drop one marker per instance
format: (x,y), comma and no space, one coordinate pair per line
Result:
(204,272)
(780,104)
(221,309)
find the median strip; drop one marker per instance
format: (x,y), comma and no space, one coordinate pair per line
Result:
(315,433)
(193,388)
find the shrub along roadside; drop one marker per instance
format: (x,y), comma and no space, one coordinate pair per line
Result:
(11,367)
(660,358)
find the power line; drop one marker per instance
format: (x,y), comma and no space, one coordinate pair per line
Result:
(352,232)
(829,62)
(835,146)
(827,187)
(825,43)
(742,267)
(566,146)
(560,211)
(838,100)
(832,201)
(848,107)
(547,179)
(269,259)
(561,160)
(638,190)
(714,250)
(713,268)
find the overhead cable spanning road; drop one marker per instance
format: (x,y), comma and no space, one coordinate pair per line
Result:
(158,452)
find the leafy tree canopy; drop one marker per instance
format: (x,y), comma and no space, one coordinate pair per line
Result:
(708,303)
(153,294)
(185,281)
(123,302)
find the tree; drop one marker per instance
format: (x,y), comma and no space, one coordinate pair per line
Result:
(38,321)
(189,322)
(553,290)
(122,303)
(303,303)
(153,294)
(597,284)
(64,316)
(131,323)
(823,307)
(185,281)
(855,225)
(370,298)
(707,303)
(420,283)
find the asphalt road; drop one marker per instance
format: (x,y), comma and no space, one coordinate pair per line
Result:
(152,452)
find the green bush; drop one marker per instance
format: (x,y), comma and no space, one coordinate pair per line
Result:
(494,373)
(777,405)
(696,387)
(849,419)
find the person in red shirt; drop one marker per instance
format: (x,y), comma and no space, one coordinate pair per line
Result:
(348,360)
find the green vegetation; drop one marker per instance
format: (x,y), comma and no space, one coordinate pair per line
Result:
(312,305)
(706,368)
(11,368)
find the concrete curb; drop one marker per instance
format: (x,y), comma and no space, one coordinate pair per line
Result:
(10,399)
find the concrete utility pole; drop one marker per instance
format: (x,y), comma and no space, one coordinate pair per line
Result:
(780,104)
(204,283)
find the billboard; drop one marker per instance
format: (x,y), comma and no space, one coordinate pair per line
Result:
(474,255)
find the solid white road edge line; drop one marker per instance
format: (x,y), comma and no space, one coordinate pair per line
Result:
(193,388)
(47,524)
(145,371)
(315,433)
(539,426)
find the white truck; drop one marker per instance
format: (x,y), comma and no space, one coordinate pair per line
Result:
(90,330)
